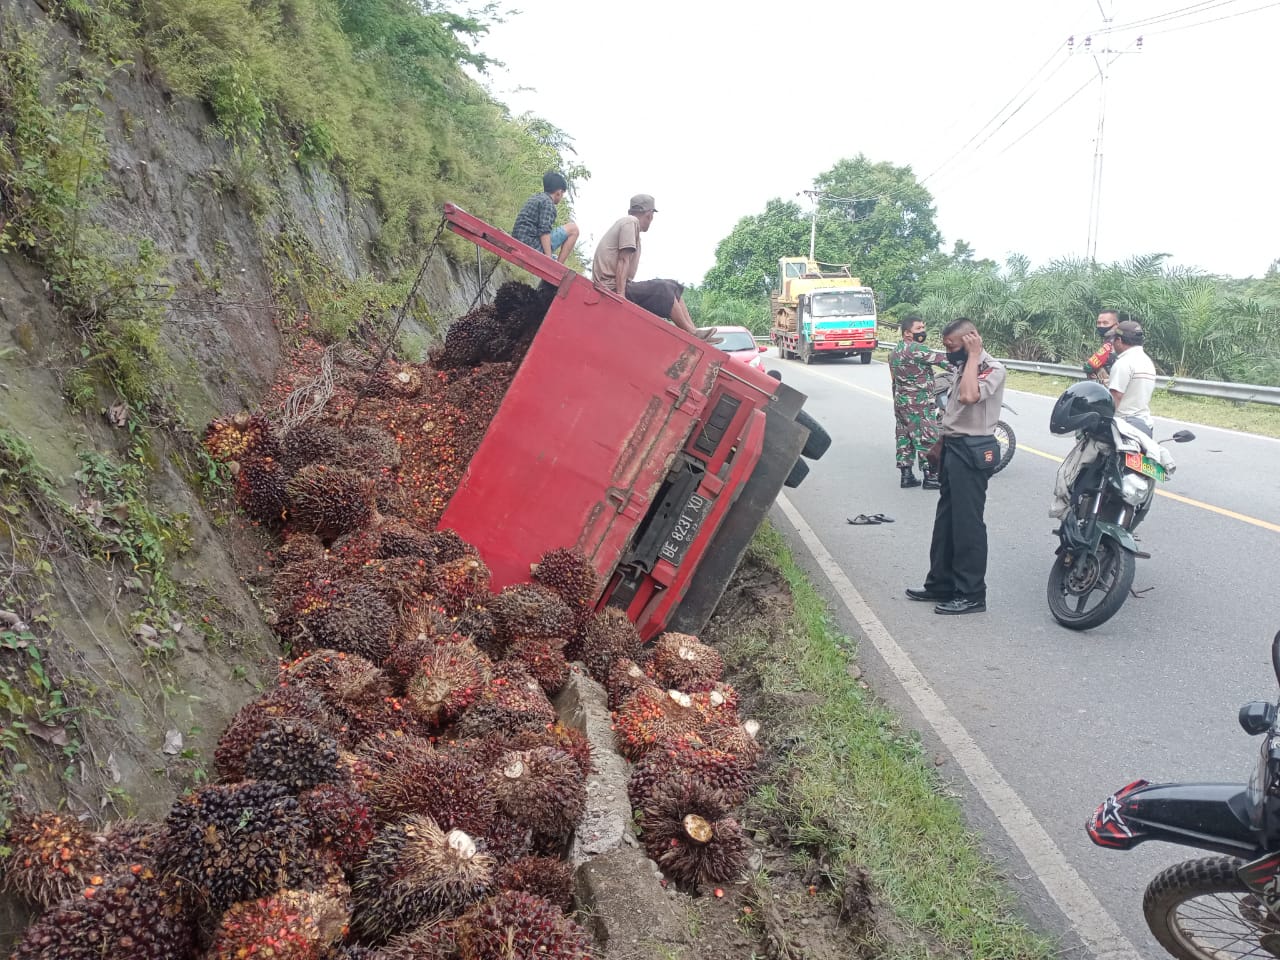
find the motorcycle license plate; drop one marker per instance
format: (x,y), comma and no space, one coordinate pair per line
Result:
(1145,466)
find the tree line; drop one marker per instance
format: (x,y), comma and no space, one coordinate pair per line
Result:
(881,220)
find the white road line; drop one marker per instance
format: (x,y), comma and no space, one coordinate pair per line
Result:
(1099,931)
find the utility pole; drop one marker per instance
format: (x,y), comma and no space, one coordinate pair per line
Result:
(1103,52)
(814,196)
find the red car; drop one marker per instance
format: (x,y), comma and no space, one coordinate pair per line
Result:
(741,345)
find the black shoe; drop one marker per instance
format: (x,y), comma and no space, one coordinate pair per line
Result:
(932,481)
(961,605)
(927,595)
(908,478)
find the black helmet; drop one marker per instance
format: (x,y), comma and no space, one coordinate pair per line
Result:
(1082,406)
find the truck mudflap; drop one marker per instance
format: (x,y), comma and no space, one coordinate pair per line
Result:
(784,439)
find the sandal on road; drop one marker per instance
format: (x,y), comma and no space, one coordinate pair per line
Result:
(881,518)
(862,520)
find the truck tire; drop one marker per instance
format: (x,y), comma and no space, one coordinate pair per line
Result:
(797,474)
(806,354)
(866,357)
(819,440)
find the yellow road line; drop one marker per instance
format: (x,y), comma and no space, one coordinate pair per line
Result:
(1221,511)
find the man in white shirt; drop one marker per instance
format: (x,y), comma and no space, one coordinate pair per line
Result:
(1133,377)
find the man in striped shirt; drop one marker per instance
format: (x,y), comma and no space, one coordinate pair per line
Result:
(535,224)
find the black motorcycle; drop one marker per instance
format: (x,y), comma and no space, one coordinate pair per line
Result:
(1215,907)
(1111,494)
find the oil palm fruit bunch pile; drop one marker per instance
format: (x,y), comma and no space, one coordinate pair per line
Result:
(693,758)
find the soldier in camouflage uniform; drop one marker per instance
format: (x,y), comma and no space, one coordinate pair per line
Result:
(915,413)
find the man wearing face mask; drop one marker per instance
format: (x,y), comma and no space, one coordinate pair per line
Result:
(968,454)
(915,417)
(1098,366)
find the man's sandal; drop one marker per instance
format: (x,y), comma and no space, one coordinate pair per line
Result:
(862,520)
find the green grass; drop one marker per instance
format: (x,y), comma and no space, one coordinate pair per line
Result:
(862,789)
(1250,417)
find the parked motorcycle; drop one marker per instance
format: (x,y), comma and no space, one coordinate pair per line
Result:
(1216,907)
(1104,490)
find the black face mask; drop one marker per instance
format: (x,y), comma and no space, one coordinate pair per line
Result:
(957,357)
(1104,332)
(919,337)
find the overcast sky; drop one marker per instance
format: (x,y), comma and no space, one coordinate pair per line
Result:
(715,107)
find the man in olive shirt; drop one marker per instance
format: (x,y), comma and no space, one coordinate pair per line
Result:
(617,258)
(969,453)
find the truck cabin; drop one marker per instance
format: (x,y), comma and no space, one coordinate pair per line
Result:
(828,304)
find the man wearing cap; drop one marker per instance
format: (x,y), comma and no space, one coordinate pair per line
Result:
(617,259)
(1133,377)
(535,222)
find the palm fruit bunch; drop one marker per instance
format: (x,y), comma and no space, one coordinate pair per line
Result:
(415,872)
(342,680)
(448,546)
(519,926)
(404,582)
(300,546)
(251,720)
(294,754)
(530,610)
(298,578)
(684,662)
(433,940)
(239,438)
(459,584)
(688,832)
(261,489)
(542,788)
(448,679)
(547,877)
(400,380)
(466,342)
(235,842)
(50,857)
(738,739)
(571,741)
(544,659)
(124,842)
(341,822)
(347,615)
(603,639)
(412,777)
(357,548)
(625,678)
(134,913)
(571,575)
(329,501)
(513,701)
(400,538)
(688,757)
(650,716)
(519,306)
(288,925)
(310,443)
(370,449)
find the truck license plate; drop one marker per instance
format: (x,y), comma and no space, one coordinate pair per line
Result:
(686,528)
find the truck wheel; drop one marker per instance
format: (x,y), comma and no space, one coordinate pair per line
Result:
(819,440)
(797,474)
(866,357)
(806,354)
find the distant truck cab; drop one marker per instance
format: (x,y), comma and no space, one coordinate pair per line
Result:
(821,310)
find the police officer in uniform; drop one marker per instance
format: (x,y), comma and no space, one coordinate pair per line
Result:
(969,453)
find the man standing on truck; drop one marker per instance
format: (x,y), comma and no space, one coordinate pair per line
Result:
(535,222)
(617,259)
(915,415)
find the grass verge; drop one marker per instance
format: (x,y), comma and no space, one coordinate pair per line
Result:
(861,790)
(1250,417)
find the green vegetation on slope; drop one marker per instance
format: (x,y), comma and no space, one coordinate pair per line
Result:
(859,788)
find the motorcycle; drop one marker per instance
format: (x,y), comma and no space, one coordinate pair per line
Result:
(1116,467)
(1215,907)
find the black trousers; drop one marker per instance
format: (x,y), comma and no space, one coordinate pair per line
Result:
(958,553)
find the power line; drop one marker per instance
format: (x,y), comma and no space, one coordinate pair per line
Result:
(1225,16)
(1193,10)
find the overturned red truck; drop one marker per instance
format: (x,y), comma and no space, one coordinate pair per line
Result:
(657,461)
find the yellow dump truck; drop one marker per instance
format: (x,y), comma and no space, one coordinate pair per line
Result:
(821,310)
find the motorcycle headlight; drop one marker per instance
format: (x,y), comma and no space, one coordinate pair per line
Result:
(1135,488)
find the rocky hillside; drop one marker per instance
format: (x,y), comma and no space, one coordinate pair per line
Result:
(167,223)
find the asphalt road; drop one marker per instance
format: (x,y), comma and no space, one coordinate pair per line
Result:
(1066,718)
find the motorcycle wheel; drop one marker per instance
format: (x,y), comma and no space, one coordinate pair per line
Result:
(1008,441)
(1200,910)
(1110,572)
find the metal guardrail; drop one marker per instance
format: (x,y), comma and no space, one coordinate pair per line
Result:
(1242,392)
